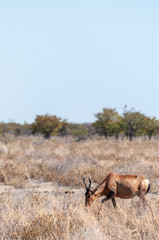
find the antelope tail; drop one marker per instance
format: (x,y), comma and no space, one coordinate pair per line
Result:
(148,189)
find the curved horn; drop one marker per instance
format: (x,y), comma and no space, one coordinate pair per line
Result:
(90,182)
(85,182)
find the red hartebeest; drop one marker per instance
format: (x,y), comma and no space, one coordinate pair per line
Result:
(122,186)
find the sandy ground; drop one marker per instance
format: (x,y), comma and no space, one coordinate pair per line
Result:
(46,188)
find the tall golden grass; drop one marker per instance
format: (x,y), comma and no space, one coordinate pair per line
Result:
(35,175)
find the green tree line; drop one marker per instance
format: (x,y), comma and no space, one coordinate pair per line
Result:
(108,123)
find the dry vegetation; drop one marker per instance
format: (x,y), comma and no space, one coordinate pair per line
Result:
(42,193)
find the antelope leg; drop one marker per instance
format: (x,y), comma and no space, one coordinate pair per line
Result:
(114,202)
(109,196)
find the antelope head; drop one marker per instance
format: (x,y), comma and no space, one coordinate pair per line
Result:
(89,195)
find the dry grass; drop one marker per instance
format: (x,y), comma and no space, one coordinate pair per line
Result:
(28,211)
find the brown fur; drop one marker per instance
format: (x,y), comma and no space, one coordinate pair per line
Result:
(122,186)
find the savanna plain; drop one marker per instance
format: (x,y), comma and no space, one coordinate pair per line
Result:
(42,190)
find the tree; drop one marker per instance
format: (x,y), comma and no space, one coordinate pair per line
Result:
(3,128)
(133,123)
(78,130)
(151,126)
(47,125)
(63,131)
(109,122)
(116,127)
(15,128)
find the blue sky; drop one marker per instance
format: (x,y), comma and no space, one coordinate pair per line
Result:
(73,58)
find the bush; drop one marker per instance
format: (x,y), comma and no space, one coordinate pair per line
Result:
(47,125)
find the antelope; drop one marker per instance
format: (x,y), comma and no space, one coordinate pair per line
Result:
(122,186)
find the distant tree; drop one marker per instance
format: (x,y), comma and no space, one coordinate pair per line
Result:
(63,131)
(151,126)
(47,125)
(3,128)
(133,123)
(78,130)
(90,129)
(26,128)
(15,128)
(11,127)
(117,126)
(109,122)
